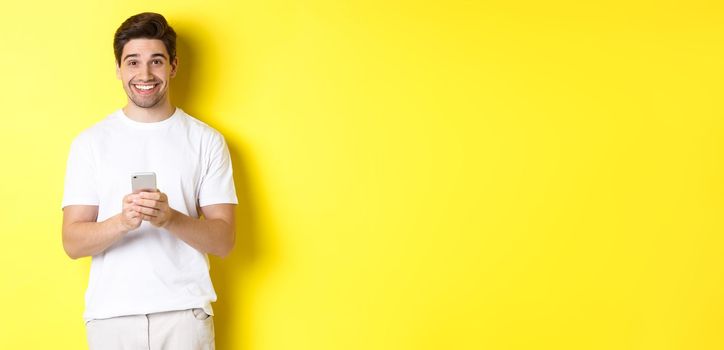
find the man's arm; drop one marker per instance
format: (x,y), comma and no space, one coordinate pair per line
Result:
(84,236)
(214,234)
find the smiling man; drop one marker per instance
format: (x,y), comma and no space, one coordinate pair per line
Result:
(149,285)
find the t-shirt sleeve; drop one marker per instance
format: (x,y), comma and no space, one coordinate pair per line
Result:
(217,183)
(80,183)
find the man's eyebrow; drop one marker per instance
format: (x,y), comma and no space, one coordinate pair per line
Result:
(129,55)
(158,54)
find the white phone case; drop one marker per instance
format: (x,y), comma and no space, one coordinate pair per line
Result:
(143,182)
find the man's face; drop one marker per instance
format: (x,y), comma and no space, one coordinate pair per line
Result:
(146,71)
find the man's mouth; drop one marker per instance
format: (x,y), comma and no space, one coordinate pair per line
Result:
(144,89)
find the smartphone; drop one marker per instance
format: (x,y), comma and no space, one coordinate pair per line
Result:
(143,182)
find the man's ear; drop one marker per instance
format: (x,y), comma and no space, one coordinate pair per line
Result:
(174,66)
(118,71)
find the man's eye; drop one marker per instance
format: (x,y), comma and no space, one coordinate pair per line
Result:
(132,63)
(157,62)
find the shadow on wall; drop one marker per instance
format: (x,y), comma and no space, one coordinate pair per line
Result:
(228,274)
(188,65)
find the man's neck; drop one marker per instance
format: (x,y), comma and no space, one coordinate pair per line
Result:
(157,113)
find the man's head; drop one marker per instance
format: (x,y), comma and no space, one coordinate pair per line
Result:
(147,25)
(145,50)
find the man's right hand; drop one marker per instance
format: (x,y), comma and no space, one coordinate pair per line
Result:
(130,218)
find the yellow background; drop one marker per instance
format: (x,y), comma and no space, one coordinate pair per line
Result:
(413,175)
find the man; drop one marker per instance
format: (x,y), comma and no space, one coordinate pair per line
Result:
(149,285)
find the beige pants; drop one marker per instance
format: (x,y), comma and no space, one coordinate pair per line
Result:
(189,329)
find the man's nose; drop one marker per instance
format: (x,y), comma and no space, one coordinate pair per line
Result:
(145,73)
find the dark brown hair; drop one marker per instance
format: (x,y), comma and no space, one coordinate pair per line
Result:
(146,25)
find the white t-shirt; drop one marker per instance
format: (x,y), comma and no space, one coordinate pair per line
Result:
(149,269)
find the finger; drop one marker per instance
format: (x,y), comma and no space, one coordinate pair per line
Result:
(148,203)
(150,195)
(147,211)
(148,218)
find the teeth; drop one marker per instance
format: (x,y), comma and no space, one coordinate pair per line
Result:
(144,87)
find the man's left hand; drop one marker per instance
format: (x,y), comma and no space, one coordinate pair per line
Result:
(154,208)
